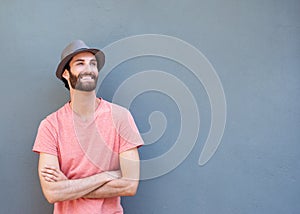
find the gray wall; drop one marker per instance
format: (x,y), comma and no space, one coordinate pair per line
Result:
(254,47)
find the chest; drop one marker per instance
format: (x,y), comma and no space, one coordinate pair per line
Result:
(87,149)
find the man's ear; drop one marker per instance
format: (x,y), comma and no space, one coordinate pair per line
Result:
(66,74)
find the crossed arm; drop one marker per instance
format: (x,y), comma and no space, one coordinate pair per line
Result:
(57,187)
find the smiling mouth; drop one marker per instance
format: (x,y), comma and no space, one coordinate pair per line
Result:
(87,78)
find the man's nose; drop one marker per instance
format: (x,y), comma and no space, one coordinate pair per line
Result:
(90,68)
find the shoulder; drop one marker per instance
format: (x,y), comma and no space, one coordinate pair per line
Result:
(114,108)
(117,113)
(54,118)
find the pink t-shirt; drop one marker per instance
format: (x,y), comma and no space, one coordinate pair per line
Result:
(86,148)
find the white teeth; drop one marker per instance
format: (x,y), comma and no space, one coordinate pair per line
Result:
(86,78)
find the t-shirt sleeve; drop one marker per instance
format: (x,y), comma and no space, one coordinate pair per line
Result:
(128,133)
(46,139)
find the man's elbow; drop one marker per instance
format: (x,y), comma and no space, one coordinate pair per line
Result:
(51,200)
(131,192)
(51,196)
(132,188)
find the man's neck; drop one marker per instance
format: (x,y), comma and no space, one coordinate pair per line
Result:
(84,103)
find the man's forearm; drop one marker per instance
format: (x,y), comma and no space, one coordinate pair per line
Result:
(125,186)
(114,188)
(73,189)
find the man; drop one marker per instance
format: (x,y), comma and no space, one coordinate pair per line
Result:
(88,154)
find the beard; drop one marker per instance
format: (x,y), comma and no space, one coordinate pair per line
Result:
(77,84)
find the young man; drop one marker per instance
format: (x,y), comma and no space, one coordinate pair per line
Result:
(88,148)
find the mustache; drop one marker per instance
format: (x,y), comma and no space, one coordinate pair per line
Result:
(92,75)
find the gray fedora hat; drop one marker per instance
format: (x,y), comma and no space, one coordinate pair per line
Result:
(74,48)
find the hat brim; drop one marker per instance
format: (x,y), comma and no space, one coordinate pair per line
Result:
(100,57)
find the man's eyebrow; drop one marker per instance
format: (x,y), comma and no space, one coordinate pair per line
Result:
(82,60)
(79,60)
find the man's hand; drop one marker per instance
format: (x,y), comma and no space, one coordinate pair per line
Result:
(57,187)
(125,186)
(114,174)
(52,174)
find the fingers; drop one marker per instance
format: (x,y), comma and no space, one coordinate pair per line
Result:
(114,174)
(118,174)
(49,178)
(52,174)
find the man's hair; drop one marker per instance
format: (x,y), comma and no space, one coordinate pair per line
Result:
(67,67)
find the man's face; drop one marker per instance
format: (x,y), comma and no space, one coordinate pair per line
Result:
(83,74)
